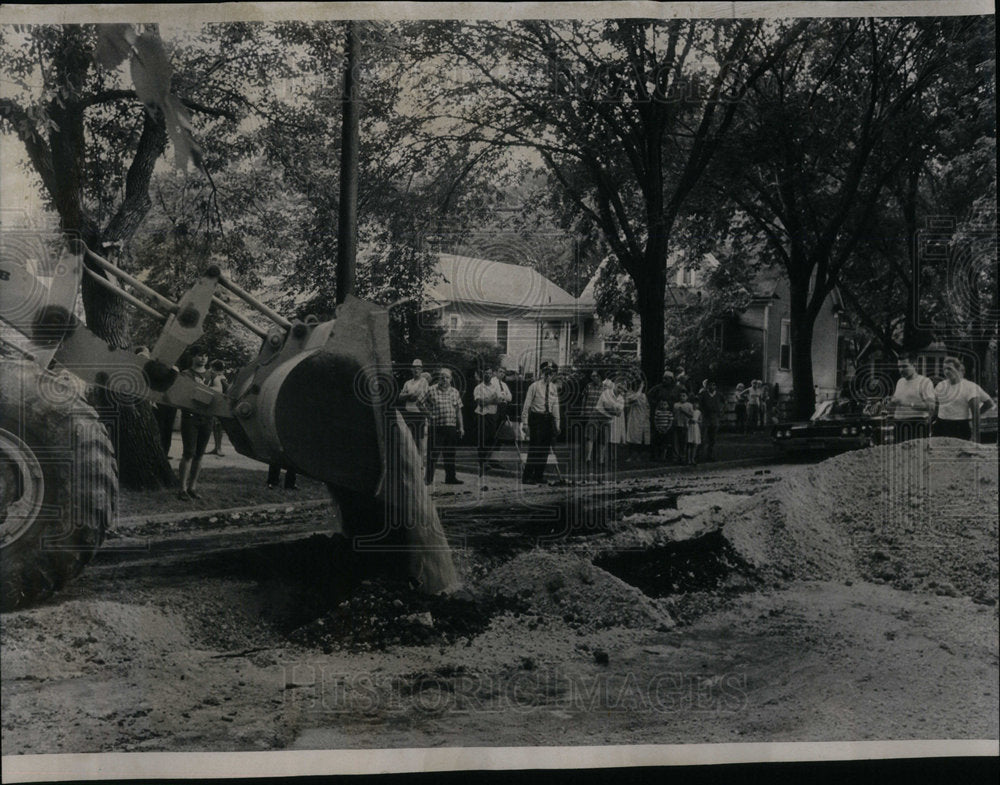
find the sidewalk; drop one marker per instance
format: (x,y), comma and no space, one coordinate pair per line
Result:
(730,450)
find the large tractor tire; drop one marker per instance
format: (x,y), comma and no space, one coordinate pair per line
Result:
(58,484)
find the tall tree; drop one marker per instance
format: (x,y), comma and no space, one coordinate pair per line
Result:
(415,194)
(625,114)
(835,120)
(900,286)
(93,137)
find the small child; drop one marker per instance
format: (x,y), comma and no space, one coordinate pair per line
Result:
(694,434)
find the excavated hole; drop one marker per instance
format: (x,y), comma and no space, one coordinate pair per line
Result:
(704,563)
(384,612)
(319,592)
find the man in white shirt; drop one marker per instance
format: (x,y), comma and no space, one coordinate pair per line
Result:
(913,404)
(540,414)
(960,402)
(490,394)
(412,397)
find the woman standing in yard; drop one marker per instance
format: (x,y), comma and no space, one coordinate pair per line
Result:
(618,424)
(609,406)
(753,405)
(637,423)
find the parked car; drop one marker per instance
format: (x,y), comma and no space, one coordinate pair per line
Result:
(835,426)
(848,424)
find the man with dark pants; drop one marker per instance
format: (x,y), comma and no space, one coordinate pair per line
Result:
(541,413)
(490,395)
(711,412)
(274,475)
(445,405)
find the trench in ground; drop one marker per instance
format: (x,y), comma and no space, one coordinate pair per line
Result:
(699,564)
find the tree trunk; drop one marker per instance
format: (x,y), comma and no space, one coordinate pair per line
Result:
(650,293)
(802,322)
(909,210)
(347,223)
(142,463)
(133,429)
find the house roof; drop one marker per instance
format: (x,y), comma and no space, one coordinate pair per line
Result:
(483,281)
(676,260)
(766,281)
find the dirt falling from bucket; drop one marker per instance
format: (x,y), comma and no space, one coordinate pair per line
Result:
(408,505)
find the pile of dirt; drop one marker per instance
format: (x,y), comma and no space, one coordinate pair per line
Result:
(78,636)
(574,589)
(921,515)
(383,612)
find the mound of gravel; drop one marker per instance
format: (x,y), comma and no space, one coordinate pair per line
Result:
(573,589)
(920,515)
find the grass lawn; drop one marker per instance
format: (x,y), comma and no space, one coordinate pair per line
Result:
(226,481)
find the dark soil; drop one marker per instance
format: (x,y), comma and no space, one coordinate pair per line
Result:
(384,612)
(699,564)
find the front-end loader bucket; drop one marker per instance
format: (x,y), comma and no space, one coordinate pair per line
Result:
(314,399)
(318,400)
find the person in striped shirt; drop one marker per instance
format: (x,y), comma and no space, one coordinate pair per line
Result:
(445,406)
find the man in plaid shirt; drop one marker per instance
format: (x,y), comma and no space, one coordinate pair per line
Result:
(445,406)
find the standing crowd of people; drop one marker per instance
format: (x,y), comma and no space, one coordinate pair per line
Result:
(611,420)
(685,422)
(432,408)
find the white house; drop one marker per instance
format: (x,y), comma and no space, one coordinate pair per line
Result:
(599,336)
(765,325)
(527,315)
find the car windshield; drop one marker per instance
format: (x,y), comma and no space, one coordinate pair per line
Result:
(822,409)
(843,406)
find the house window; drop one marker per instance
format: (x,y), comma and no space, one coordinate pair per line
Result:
(452,324)
(502,335)
(785,355)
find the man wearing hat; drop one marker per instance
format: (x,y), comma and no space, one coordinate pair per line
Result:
(412,398)
(540,413)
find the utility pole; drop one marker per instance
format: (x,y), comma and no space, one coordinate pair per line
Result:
(347,225)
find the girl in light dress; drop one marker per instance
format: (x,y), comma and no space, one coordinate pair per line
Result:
(694,434)
(610,406)
(637,424)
